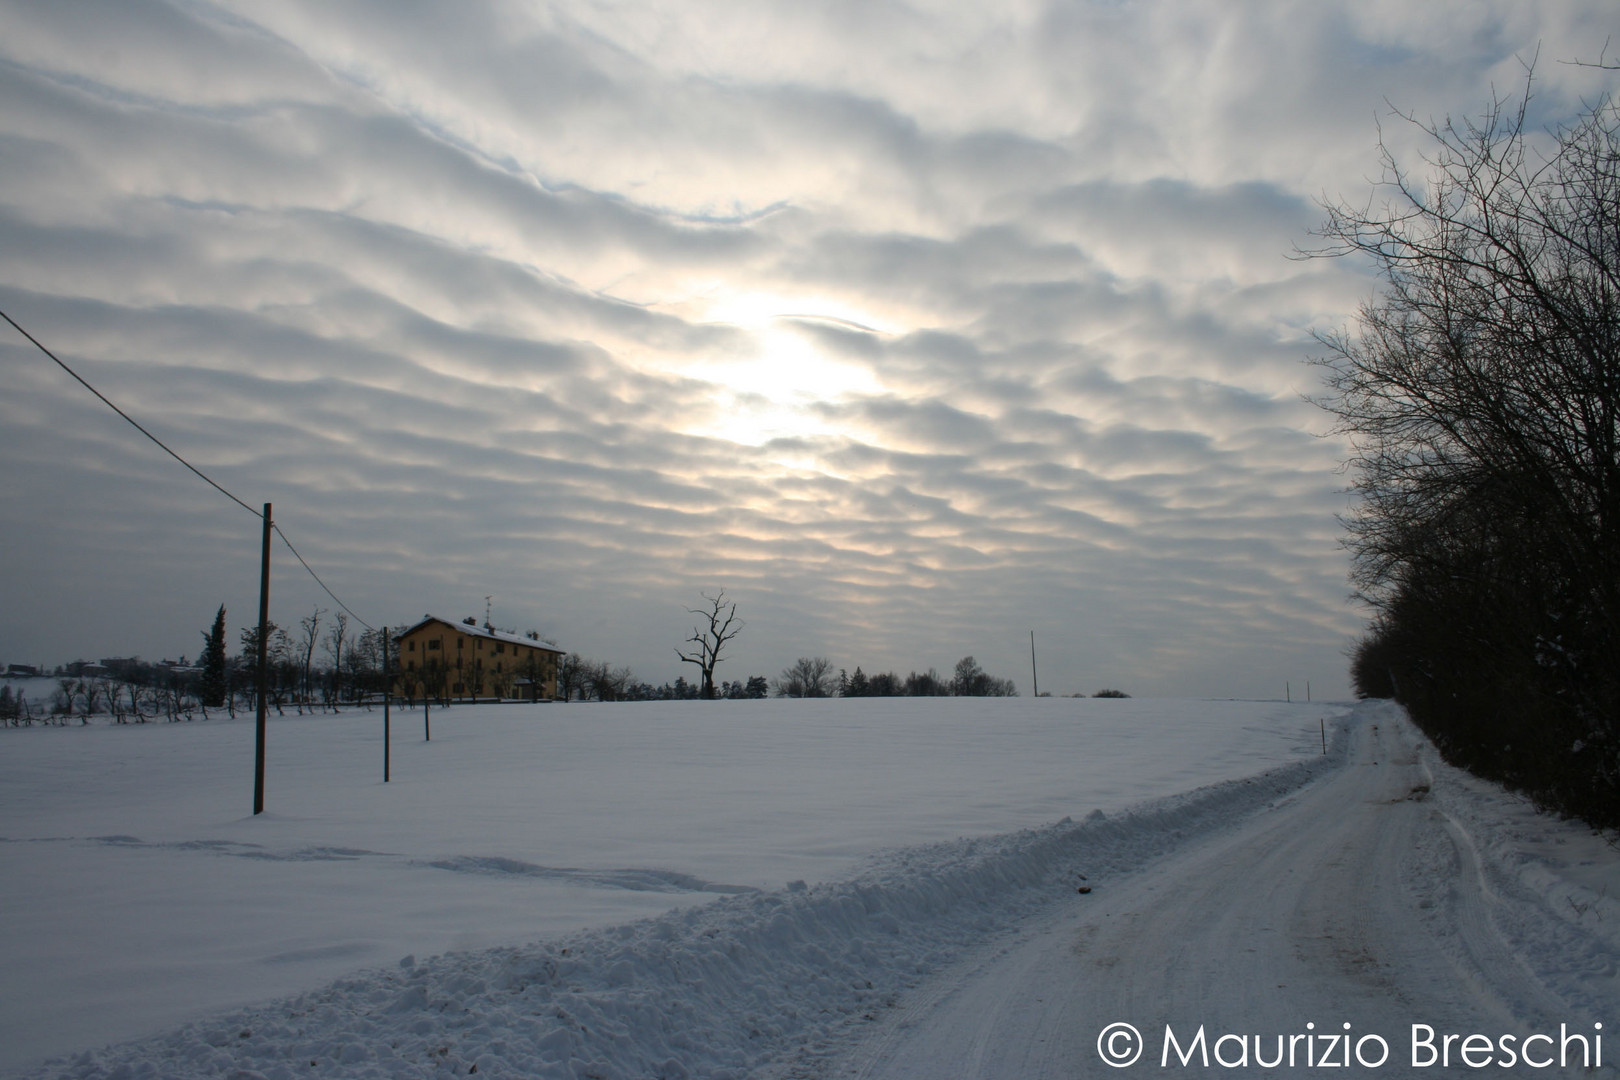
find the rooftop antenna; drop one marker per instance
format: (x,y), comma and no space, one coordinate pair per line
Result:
(487,605)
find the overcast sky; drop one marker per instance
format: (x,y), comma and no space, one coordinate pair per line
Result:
(913,326)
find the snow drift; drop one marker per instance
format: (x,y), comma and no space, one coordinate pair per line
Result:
(735,988)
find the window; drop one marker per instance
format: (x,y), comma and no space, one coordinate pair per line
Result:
(460,641)
(412,646)
(433,645)
(500,647)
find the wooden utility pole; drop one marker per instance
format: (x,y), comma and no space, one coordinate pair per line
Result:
(1033,677)
(387,696)
(263,667)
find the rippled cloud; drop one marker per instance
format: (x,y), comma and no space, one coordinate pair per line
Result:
(914,326)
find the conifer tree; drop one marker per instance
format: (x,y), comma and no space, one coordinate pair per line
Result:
(213,685)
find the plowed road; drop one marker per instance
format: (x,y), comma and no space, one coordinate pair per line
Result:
(1306,913)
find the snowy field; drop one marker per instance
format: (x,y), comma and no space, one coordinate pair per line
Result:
(140,893)
(864,890)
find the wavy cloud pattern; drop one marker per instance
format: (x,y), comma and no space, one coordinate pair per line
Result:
(914,326)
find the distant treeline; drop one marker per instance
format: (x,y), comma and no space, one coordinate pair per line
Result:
(579,679)
(968,680)
(320,666)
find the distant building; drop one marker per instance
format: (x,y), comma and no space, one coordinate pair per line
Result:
(21,671)
(444,658)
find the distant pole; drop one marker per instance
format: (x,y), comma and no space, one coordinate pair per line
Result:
(1288,692)
(427,708)
(1033,677)
(1307,691)
(386,698)
(263,667)
(1322,720)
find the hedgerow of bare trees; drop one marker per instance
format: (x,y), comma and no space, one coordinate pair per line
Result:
(132,690)
(1480,392)
(812,677)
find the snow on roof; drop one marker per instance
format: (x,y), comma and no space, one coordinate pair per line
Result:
(479,631)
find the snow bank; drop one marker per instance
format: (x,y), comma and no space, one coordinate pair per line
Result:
(1553,888)
(140,893)
(738,987)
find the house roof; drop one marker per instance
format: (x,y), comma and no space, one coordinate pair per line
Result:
(478,631)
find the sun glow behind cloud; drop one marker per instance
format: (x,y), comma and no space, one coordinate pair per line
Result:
(767,389)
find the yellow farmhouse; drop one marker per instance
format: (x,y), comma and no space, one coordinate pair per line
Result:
(443,658)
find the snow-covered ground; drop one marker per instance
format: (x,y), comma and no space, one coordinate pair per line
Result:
(1445,926)
(915,911)
(139,892)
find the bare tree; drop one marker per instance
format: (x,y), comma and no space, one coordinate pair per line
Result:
(336,642)
(538,668)
(971,680)
(310,627)
(1480,393)
(708,642)
(501,680)
(435,680)
(810,676)
(283,668)
(277,650)
(604,682)
(925,684)
(571,676)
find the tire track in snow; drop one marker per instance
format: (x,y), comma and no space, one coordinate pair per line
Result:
(1488,959)
(1297,915)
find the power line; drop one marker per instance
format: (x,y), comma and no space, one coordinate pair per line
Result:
(133,422)
(317,578)
(198,472)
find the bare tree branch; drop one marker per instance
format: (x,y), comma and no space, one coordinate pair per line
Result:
(709,642)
